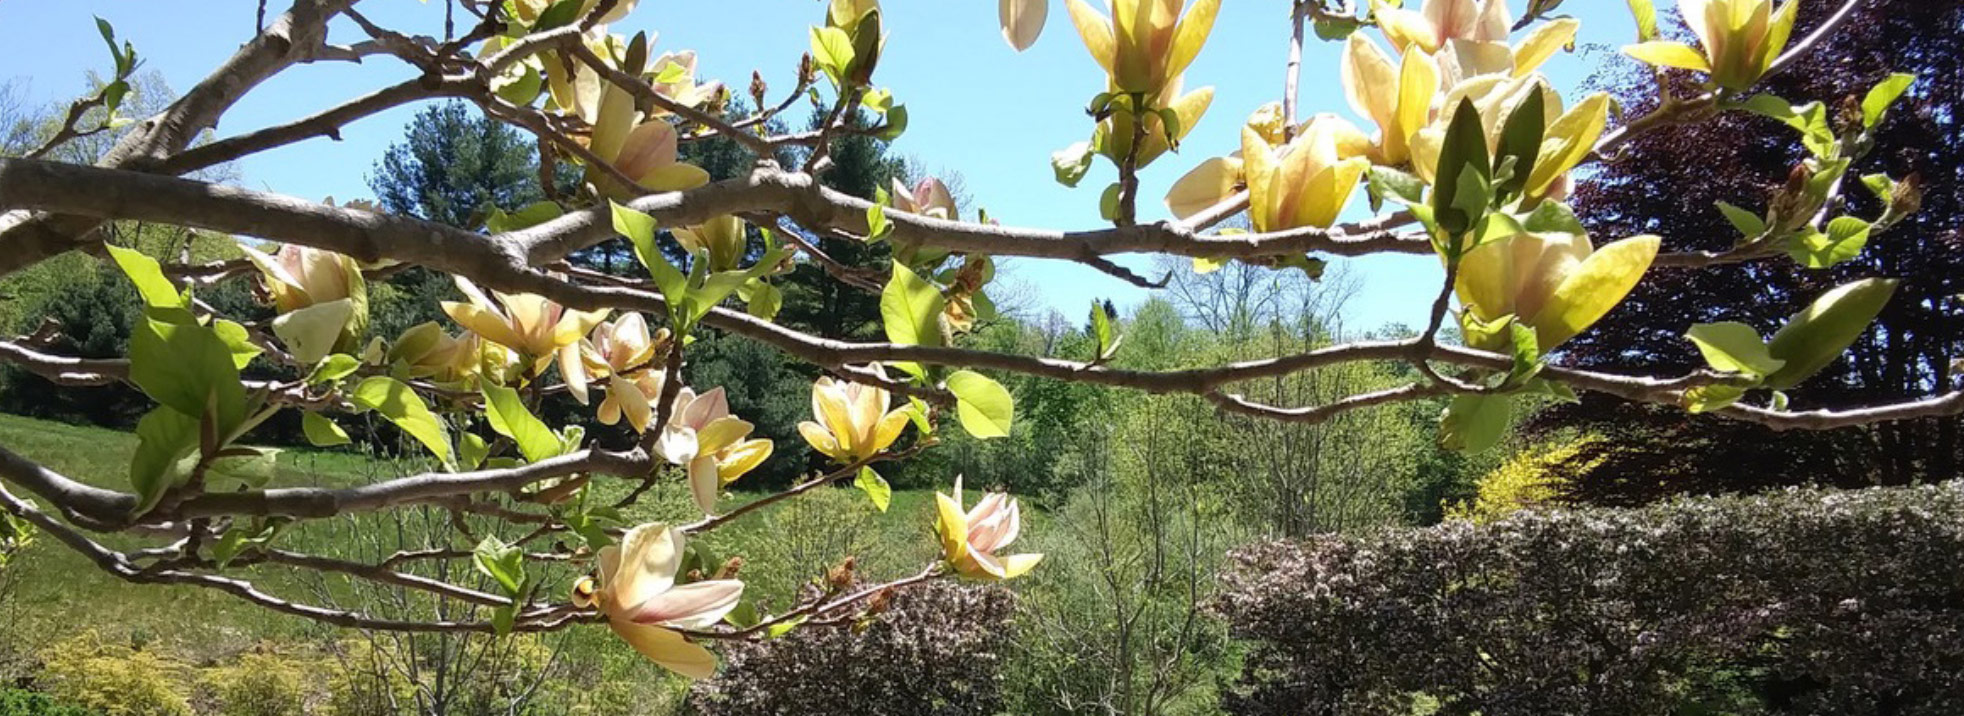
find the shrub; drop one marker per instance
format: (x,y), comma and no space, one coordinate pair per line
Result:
(1804,602)
(259,685)
(19,702)
(112,678)
(937,650)
(1539,474)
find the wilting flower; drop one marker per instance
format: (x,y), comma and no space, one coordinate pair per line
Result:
(644,605)
(1740,40)
(854,422)
(722,238)
(532,325)
(1307,181)
(969,541)
(1559,284)
(704,437)
(1022,21)
(1398,98)
(1145,43)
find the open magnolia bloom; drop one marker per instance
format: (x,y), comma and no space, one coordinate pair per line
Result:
(722,238)
(1559,284)
(854,422)
(1022,21)
(710,443)
(320,295)
(969,541)
(929,198)
(1145,44)
(1306,182)
(530,324)
(1440,21)
(1114,135)
(1399,98)
(644,605)
(622,352)
(1740,40)
(1567,137)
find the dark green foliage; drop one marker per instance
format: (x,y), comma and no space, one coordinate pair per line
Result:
(937,650)
(454,165)
(1798,602)
(21,702)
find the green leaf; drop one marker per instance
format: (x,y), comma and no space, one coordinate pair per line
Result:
(242,535)
(877,226)
(1843,241)
(1815,337)
(832,51)
(1553,217)
(509,417)
(1069,164)
(1526,348)
(253,466)
(1520,140)
(875,487)
(784,627)
(1394,185)
(1463,164)
(157,291)
(1884,95)
(1103,330)
(910,309)
(1749,224)
(528,216)
(471,451)
(167,443)
(321,430)
(711,289)
(765,300)
(1334,27)
(402,406)
(335,367)
(1734,347)
(310,333)
(1475,422)
(1108,202)
(639,228)
(503,563)
(189,368)
(238,339)
(503,619)
(744,616)
(896,124)
(1810,119)
(985,408)
(1707,398)
(558,14)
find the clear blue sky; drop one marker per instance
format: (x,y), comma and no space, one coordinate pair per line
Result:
(977,107)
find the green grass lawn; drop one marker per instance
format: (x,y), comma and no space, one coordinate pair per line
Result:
(60,593)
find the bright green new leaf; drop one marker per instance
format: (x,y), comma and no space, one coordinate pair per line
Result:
(471,451)
(1749,224)
(1108,202)
(1389,184)
(1474,422)
(509,417)
(1207,264)
(1884,95)
(503,563)
(764,300)
(1069,164)
(1843,241)
(321,430)
(238,340)
(1815,337)
(166,451)
(711,288)
(253,466)
(1810,119)
(242,535)
(1707,398)
(157,291)
(527,216)
(910,308)
(875,487)
(1103,330)
(189,368)
(877,225)
(1553,217)
(309,333)
(1734,347)
(985,408)
(402,406)
(832,50)
(639,228)
(336,367)
(1463,164)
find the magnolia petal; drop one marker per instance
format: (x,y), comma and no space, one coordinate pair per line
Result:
(1486,280)
(741,458)
(309,333)
(650,555)
(721,433)
(834,412)
(886,431)
(821,440)
(1259,167)
(1191,34)
(631,402)
(1206,185)
(695,605)
(677,444)
(1595,287)
(1663,53)
(572,369)
(1570,140)
(951,525)
(1418,82)
(704,484)
(977,564)
(667,648)
(1022,21)
(1404,28)
(1543,43)
(1017,565)
(675,177)
(1369,81)
(1096,30)
(609,412)
(483,321)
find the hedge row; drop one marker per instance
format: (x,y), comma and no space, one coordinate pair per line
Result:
(1801,602)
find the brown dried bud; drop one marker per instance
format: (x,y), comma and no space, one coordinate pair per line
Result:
(1908,198)
(841,577)
(1848,115)
(730,568)
(1790,206)
(879,602)
(758,89)
(807,70)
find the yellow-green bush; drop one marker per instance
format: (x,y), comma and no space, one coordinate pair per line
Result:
(87,671)
(259,684)
(1539,474)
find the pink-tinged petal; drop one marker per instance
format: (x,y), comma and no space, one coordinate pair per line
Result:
(572,368)
(705,484)
(709,407)
(981,565)
(648,147)
(609,558)
(667,648)
(632,403)
(677,444)
(651,554)
(691,606)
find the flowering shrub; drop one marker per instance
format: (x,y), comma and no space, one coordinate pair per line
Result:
(935,650)
(1812,602)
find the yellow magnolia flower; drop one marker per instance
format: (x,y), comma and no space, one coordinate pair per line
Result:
(704,437)
(320,295)
(1114,135)
(622,352)
(1559,284)
(1440,21)
(1022,21)
(644,605)
(528,10)
(723,238)
(929,197)
(641,145)
(1397,97)
(1145,43)
(1306,182)
(531,325)
(854,422)
(1740,40)
(969,541)
(1567,138)
(424,351)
